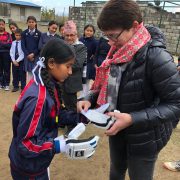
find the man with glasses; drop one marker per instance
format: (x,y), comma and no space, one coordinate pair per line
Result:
(73,84)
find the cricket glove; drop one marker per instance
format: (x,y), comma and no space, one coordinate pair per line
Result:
(74,148)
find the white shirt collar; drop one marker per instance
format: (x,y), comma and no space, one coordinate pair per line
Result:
(48,33)
(32,30)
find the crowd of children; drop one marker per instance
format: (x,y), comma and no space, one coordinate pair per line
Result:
(22,48)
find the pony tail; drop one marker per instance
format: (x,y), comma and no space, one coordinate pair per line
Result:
(59,91)
(48,84)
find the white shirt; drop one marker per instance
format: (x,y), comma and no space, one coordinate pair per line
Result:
(48,34)
(32,31)
(20,52)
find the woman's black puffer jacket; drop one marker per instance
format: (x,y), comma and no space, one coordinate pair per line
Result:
(150,92)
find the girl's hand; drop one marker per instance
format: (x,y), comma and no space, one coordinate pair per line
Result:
(123,120)
(15,63)
(83,105)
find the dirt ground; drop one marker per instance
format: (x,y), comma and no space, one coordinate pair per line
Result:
(95,168)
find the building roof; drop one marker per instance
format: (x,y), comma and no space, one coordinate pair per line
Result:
(22,3)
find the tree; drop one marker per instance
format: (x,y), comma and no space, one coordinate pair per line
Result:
(47,14)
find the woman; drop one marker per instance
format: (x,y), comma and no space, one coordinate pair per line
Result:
(140,79)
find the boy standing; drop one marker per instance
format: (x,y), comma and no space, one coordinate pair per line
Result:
(17,57)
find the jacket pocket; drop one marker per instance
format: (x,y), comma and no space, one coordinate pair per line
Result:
(142,143)
(143,149)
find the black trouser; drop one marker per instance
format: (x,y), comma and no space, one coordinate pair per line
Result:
(70,100)
(139,168)
(19,75)
(16,175)
(5,66)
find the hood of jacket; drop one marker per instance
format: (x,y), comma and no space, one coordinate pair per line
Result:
(157,36)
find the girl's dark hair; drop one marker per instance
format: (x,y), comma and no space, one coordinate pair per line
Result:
(57,49)
(2,20)
(61,52)
(119,14)
(13,24)
(61,25)
(51,23)
(89,25)
(32,18)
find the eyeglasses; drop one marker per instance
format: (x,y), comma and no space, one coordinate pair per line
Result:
(114,37)
(70,35)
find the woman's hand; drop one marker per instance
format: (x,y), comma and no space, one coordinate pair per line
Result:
(83,105)
(123,120)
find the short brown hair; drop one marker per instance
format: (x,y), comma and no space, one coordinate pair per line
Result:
(119,14)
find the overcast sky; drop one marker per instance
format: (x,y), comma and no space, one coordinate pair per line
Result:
(61,5)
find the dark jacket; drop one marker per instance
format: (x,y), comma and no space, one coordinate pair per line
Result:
(35,127)
(150,92)
(29,45)
(90,43)
(45,38)
(73,83)
(101,51)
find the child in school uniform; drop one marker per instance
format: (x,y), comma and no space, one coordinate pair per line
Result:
(17,57)
(91,43)
(39,112)
(30,41)
(12,27)
(5,60)
(50,34)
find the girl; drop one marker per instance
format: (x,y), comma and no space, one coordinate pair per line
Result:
(91,43)
(51,34)
(38,113)
(30,41)
(5,60)
(13,26)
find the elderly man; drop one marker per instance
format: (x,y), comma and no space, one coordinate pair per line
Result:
(74,83)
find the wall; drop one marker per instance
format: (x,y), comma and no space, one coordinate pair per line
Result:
(29,11)
(170,25)
(15,13)
(36,12)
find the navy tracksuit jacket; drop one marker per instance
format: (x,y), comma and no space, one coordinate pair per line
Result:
(34,129)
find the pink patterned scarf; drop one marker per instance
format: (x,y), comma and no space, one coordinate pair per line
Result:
(123,55)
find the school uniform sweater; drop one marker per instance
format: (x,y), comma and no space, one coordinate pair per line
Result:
(45,37)
(29,43)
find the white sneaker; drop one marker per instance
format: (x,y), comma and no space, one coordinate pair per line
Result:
(6,88)
(1,87)
(172,166)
